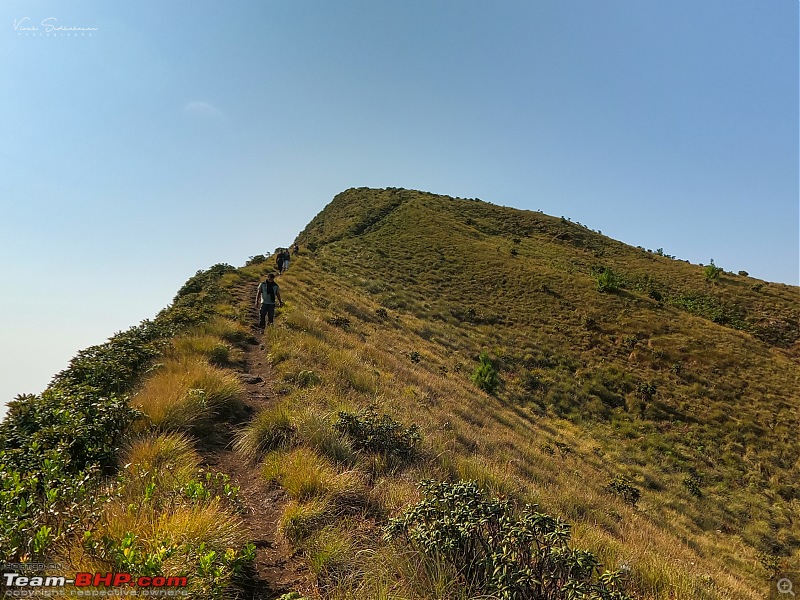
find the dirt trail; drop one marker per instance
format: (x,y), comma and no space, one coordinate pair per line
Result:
(277,569)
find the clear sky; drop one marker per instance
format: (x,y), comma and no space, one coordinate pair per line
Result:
(171,136)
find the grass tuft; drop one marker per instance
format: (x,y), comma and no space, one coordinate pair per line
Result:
(185,394)
(270,429)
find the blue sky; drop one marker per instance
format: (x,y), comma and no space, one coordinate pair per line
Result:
(177,135)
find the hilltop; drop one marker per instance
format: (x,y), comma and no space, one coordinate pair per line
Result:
(647,404)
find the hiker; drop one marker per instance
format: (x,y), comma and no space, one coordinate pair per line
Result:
(268,292)
(286,259)
(279,260)
(296,250)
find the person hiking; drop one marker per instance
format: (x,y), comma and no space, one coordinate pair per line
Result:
(268,293)
(286,257)
(279,261)
(296,250)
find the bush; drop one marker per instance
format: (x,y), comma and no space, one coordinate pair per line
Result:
(607,281)
(646,390)
(485,375)
(372,433)
(712,271)
(255,260)
(692,483)
(497,552)
(622,487)
(340,322)
(68,436)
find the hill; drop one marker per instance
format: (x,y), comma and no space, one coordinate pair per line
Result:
(647,407)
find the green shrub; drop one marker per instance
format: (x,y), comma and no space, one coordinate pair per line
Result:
(712,271)
(485,375)
(293,596)
(629,341)
(692,483)
(621,486)
(607,281)
(646,390)
(68,436)
(382,434)
(255,260)
(498,552)
(340,322)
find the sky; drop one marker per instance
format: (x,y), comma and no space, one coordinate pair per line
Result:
(141,142)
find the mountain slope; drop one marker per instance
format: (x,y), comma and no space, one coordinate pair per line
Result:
(428,338)
(685,385)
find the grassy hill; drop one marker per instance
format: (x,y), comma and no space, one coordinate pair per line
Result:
(644,405)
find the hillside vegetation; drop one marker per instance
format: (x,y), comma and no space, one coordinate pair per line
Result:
(468,401)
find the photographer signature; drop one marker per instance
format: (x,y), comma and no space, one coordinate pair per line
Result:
(49,25)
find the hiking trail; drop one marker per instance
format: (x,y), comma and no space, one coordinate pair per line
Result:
(277,568)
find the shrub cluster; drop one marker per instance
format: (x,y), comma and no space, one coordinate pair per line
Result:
(498,552)
(712,271)
(607,281)
(370,432)
(621,486)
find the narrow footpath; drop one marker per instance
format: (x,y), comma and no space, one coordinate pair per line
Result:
(277,569)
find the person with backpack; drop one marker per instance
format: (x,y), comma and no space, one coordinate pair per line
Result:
(286,257)
(279,260)
(268,293)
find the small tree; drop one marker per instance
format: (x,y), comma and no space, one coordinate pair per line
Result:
(712,272)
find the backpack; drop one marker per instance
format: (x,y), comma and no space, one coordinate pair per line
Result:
(268,289)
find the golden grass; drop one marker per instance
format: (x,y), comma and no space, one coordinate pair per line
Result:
(151,526)
(306,474)
(210,347)
(316,430)
(301,519)
(184,394)
(568,416)
(463,428)
(168,459)
(271,428)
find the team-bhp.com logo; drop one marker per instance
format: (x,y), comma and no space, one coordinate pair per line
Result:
(19,585)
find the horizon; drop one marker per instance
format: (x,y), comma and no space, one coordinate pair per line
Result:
(151,146)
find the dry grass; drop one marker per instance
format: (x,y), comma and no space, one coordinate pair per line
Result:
(568,415)
(185,394)
(152,526)
(316,486)
(169,460)
(271,428)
